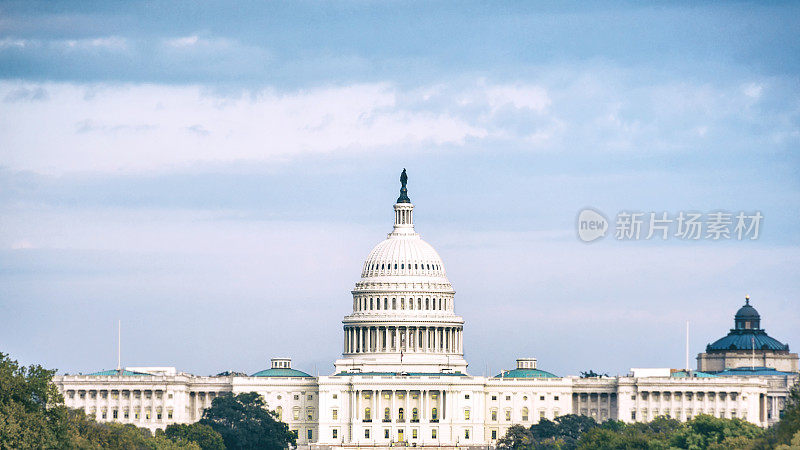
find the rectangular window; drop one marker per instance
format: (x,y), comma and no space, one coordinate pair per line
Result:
(296,414)
(297,397)
(494,397)
(104,414)
(335,396)
(310,434)
(466,433)
(158,415)
(508,397)
(555,398)
(335,433)
(386,433)
(508,416)
(541,397)
(310,397)
(466,397)
(335,414)
(494,415)
(466,414)
(494,435)
(114,414)
(433,433)
(169,414)
(366,433)
(414,433)
(310,413)
(541,414)
(633,415)
(125,414)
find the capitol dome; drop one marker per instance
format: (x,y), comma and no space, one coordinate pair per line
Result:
(403,315)
(403,255)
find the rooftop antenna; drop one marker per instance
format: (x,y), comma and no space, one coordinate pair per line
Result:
(687,346)
(119,345)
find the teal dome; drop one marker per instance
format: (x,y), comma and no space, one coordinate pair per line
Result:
(281,372)
(526,373)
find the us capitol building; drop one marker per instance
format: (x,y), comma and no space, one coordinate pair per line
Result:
(402,379)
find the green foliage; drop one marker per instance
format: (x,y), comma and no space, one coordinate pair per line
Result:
(203,435)
(789,426)
(245,423)
(32,414)
(709,432)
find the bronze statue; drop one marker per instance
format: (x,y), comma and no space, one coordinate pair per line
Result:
(403,190)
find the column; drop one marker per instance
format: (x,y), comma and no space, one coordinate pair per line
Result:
(369,339)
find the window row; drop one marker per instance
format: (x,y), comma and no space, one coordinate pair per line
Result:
(385,304)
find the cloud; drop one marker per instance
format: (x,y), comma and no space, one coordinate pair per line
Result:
(26,94)
(186,41)
(573,112)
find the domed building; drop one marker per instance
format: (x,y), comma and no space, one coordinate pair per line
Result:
(402,378)
(747,345)
(403,317)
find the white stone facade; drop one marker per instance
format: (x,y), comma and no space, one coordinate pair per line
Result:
(402,378)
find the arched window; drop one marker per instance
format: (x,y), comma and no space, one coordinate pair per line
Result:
(387,415)
(466,414)
(414,415)
(395,266)
(402,266)
(434,414)
(381,266)
(411,303)
(378,303)
(386,303)
(394,303)
(427,303)
(367,415)
(524,414)
(415,267)
(494,414)
(370,303)
(419,303)
(401,415)
(402,303)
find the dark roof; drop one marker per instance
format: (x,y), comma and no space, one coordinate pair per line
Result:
(744,340)
(753,371)
(115,372)
(747,312)
(526,373)
(281,373)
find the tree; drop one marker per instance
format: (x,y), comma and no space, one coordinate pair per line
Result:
(32,413)
(789,425)
(517,438)
(245,423)
(706,431)
(203,435)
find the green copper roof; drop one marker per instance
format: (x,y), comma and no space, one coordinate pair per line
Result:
(114,372)
(281,373)
(691,374)
(752,371)
(526,373)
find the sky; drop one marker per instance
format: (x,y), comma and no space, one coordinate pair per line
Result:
(214,174)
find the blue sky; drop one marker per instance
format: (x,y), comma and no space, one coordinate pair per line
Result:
(214,174)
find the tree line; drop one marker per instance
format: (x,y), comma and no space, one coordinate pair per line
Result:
(33,416)
(702,432)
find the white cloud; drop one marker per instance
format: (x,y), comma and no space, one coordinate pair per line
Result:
(534,98)
(186,41)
